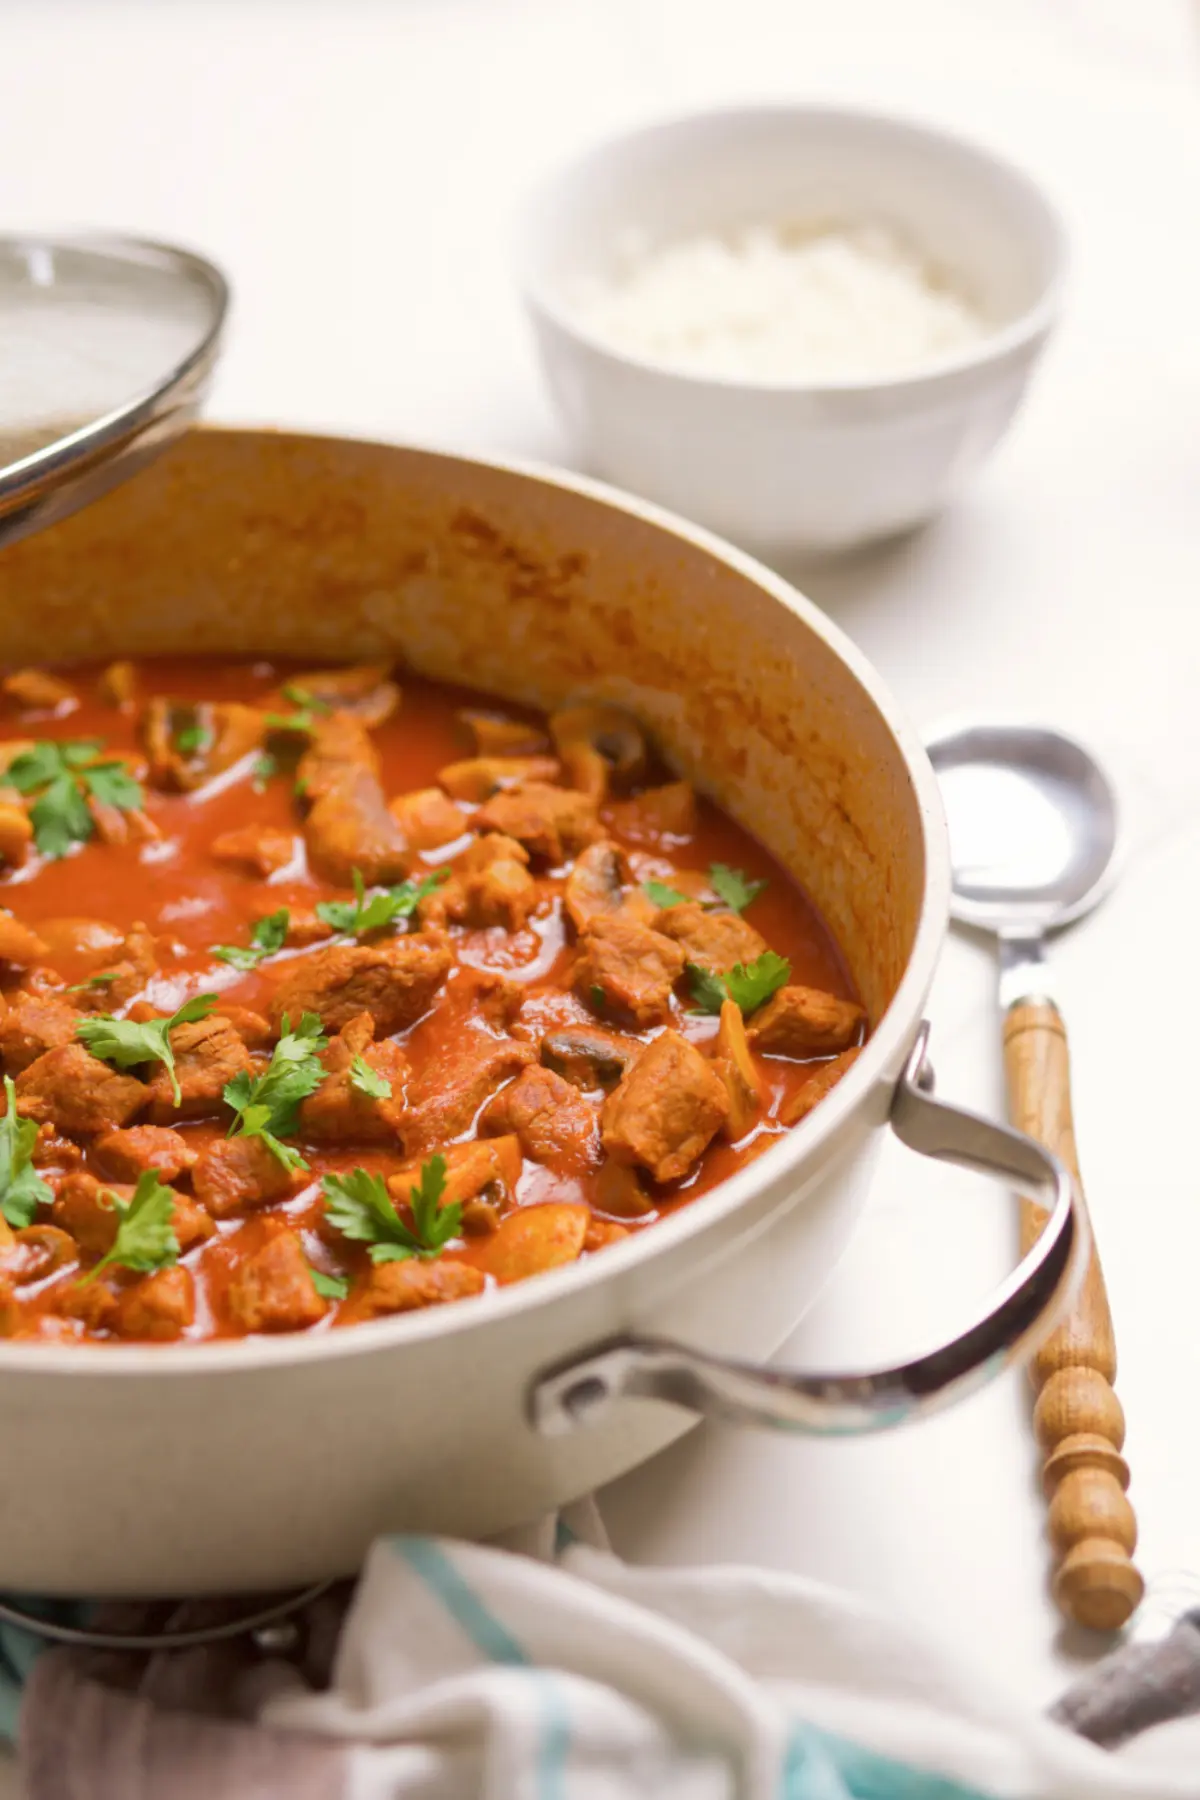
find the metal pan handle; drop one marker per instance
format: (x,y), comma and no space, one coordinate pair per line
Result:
(1020,1315)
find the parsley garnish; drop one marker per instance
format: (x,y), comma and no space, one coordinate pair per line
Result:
(303,697)
(598,997)
(93,981)
(266,1106)
(60,776)
(330,1287)
(369,1081)
(266,938)
(22,1189)
(192,739)
(145,1240)
(735,889)
(359,1206)
(662,895)
(302,720)
(384,907)
(125,1044)
(265,766)
(750,984)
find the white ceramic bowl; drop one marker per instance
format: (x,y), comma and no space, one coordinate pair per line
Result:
(803,467)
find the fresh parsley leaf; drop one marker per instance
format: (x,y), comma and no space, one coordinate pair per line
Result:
(266,1106)
(265,766)
(54,773)
(192,739)
(360,1207)
(597,996)
(145,1240)
(300,696)
(750,984)
(734,888)
(662,895)
(369,1081)
(126,1045)
(707,990)
(383,908)
(266,938)
(60,817)
(22,1189)
(93,981)
(34,768)
(301,721)
(113,785)
(330,1287)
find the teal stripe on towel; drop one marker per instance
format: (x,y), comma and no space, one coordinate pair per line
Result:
(443,1578)
(820,1766)
(556,1738)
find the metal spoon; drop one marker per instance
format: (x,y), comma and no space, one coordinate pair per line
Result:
(1033,831)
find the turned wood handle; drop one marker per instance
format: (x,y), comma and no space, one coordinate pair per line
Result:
(1077,1417)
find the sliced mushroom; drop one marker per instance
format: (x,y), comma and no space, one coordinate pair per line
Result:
(494,735)
(363,689)
(589,1056)
(16,833)
(18,944)
(735,1066)
(595,885)
(535,1238)
(619,1191)
(188,744)
(40,1250)
(601,748)
(118,684)
(36,690)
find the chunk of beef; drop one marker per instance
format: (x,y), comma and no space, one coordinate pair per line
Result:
(339,1112)
(127,1154)
(492,885)
(822,1081)
(52,1151)
(660,816)
(401,1287)
(84,1207)
(360,689)
(271,1288)
(20,947)
(801,1021)
(588,1055)
(305,928)
(459,1057)
(220,734)
(254,1031)
(394,981)
(492,734)
(36,690)
(480,777)
(552,823)
(735,1065)
(33,1024)
(600,747)
(208,1053)
(92,1303)
(258,849)
(427,818)
(627,971)
(70,1088)
(16,833)
(714,940)
(349,826)
(238,1172)
(159,1306)
(551,1119)
(666,1110)
(87,941)
(487,1169)
(536,1238)
(131,972)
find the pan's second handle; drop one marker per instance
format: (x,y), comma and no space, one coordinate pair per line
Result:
(1078,1418)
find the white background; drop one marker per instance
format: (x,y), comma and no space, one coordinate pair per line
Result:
(354,167)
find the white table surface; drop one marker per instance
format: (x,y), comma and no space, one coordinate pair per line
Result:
(354,166)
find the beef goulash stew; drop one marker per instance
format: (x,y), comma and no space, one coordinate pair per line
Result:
(324,1000)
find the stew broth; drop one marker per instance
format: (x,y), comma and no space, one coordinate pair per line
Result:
(550,969)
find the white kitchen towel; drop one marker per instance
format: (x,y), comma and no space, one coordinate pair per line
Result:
(466,1670)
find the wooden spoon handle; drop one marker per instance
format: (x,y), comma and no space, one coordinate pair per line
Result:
(1077,1417)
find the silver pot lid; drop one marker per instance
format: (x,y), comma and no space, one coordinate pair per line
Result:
(107,346)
